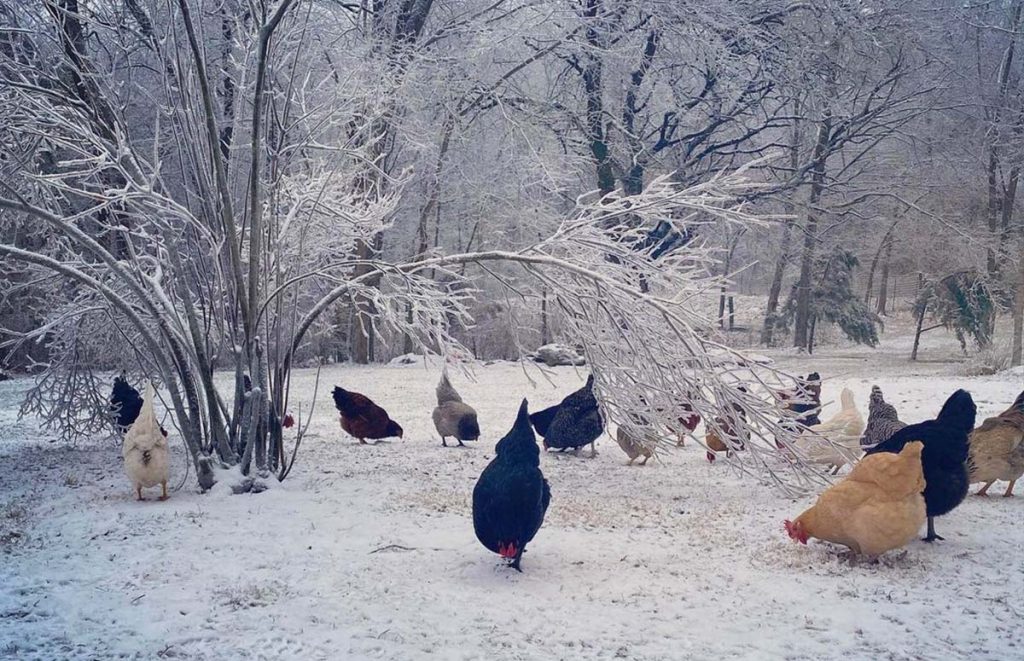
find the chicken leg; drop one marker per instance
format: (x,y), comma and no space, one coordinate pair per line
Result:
(444,442)
(931,532)
(644,462)
(164,496)
(593,449)
(515,561)
(1009,489)
(984,490)
(138,491)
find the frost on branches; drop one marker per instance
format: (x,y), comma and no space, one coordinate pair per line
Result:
(152,238)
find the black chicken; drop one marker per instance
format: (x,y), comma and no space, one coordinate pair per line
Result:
(541,420)
(125,403)
(944,457)
(511,496)
(577,422)
(809,410)
(809,394)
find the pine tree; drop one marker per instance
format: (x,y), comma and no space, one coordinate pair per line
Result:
(962,302)
(833,301)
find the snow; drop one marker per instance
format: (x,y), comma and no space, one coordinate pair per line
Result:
(369,551)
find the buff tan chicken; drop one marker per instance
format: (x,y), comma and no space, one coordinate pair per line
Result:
(997,449)
(877,508)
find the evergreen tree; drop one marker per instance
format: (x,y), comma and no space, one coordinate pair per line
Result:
(962,302)
(833,301)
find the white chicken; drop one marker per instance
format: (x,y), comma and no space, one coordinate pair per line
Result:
(146,458)
(844,429)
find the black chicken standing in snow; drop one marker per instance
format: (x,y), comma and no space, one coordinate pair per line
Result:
(576,422)
(511,496)
(944,457)
(125,403)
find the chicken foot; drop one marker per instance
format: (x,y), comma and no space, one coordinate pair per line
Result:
(932,536)
(515,561)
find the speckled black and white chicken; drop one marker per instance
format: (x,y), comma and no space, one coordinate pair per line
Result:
(883,421)
(577,421)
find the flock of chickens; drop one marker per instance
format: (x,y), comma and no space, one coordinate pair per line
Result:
(905,475)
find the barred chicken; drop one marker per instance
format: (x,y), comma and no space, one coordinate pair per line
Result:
(452,416)
(146,456)
(877,508)
(883,421)
(997,449)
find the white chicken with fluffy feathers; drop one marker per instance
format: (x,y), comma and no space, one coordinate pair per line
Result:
(844,429)
(146,457)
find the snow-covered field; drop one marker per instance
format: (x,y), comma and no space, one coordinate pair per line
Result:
(369,552)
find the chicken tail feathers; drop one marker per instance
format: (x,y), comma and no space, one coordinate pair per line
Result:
(445,391)
(147,402)
(1018,404)
(342,400)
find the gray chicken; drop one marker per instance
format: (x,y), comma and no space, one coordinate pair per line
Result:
(452,416)
(883,421)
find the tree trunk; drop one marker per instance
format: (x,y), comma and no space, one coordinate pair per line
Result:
(782,263)
(996,202)
(882,245)
(883,290)
(545,337)
(768,329)
(1018,313)
(593,88)
(721,307)
(918,331)
(391,40)
(803,300)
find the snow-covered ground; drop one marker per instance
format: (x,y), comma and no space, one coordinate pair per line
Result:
(369,552)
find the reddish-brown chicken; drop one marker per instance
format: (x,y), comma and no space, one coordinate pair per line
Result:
(363,419)
(689,422)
